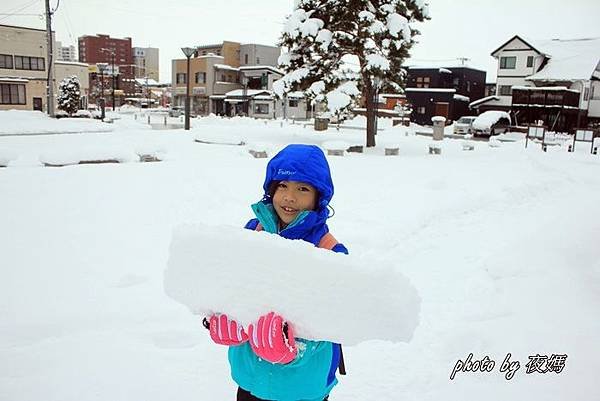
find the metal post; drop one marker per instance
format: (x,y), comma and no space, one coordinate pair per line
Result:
(113,80)
(50,61)
(103,101)
(188,51)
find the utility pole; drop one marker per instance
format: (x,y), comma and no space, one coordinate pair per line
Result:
(50,61)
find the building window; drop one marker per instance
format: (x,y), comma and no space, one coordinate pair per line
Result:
(181,78)
(12,94)
(419,79)
(468,86)
(586,94)
(508,63)
(421,109)
(223,78)
(257,60)
(6,61)
(529,61)
(426,79)
(29,63)
(293,102)
(261,108)
(200,77)
(245,59)
(505,90)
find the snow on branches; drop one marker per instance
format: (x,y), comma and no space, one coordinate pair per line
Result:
(322,35)
(69,93)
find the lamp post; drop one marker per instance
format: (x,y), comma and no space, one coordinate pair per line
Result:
(188,51)
(102,68)
(112,55)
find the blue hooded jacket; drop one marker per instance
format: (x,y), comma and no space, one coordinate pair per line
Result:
(311,376)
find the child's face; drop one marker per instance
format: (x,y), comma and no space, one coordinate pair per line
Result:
(293,197)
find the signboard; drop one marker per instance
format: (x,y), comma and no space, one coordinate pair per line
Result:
(536,132)
(198,90)
(584,135)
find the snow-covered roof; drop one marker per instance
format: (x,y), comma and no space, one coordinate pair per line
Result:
(249,92)
(443,66)
(462,98)
(295,95)
(545,88)
(483,100)
(569,60)
(71,63)
(146,82)
(446,90)
(261,67)
(263,97)
(7,79)
(226,67)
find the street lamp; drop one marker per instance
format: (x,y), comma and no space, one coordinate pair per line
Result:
(189,52)
(112,55)
(102,68)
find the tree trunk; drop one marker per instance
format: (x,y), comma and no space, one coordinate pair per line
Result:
(370,105)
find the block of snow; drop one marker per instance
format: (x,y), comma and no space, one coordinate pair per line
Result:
(6,156)
(87,156)
(326,296)
(220,139)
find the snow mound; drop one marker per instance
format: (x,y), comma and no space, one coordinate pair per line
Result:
(326,296)
(20,122)
(6,156)
(70,157)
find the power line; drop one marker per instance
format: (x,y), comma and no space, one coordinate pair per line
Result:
(15,12)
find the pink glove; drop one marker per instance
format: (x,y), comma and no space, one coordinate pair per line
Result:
(272,339)
(225,331)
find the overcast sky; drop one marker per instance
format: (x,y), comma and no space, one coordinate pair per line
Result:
(458,28)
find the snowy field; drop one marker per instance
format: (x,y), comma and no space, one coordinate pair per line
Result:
(500,242)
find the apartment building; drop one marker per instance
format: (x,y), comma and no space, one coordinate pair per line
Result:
(113,52)
(65,53)
(229,79)
(146,61)
(23,68)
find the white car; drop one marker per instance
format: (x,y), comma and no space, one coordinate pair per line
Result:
(491,122)
(464,125)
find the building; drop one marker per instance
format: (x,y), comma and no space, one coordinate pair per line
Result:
(146,62)
(230,79)
(64,69)
(443,91)
(65,53)
(23,68)
(556,81)
(118,55)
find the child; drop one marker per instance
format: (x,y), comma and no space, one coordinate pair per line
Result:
(267,362)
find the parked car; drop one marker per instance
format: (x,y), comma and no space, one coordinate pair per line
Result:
(176,111)
(491,123)
(464,125)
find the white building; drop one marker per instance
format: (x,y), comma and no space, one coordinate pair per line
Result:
(146,62)
(65,53)
(556,65)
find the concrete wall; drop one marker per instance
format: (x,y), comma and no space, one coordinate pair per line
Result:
(259,54)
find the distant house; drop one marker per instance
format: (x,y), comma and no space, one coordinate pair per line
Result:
(555,81)
(446,91)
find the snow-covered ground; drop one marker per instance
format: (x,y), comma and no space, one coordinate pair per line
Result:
(501,243)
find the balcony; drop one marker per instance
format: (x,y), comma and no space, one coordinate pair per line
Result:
(545,97)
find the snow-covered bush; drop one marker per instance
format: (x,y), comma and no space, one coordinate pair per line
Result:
(69,93)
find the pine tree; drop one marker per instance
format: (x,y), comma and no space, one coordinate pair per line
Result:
(69,93)
(320,35)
